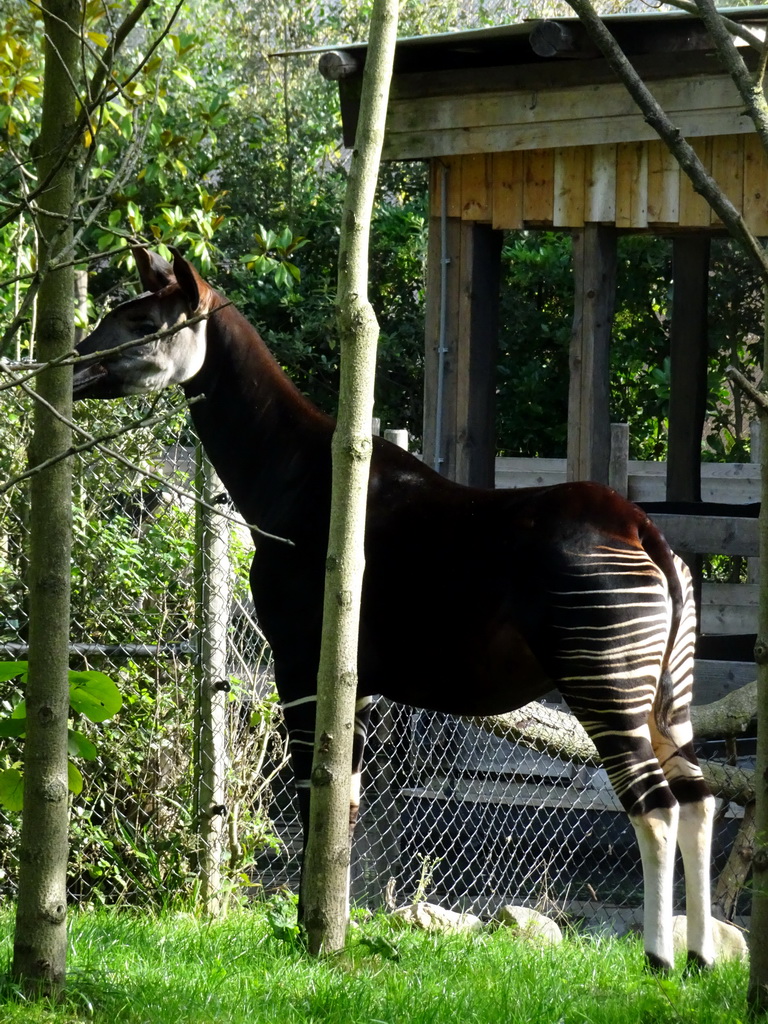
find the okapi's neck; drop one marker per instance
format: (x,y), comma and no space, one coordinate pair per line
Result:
(267,442)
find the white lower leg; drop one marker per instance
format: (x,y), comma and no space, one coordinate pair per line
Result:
(695,840)
(656,832)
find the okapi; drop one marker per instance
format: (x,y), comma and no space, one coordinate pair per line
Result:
(568,586)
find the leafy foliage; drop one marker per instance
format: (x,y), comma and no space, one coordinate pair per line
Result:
(91,694)
(234,155)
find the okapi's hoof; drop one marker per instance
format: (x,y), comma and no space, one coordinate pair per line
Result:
(656,965)
(695,964)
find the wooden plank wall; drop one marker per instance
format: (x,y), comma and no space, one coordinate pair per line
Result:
(500,109)
(636,186)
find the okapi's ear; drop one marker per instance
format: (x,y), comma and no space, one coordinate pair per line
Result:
(190,282)
(154,271)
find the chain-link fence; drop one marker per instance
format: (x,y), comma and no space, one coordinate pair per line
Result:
(190,789)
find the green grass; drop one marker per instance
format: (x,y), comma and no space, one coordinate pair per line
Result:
(126,968)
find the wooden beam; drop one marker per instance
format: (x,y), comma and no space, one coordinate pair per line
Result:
(464,259)
(709,535)
(435,125)
(688,366)
(589,425)
(569,186)
(663,184)
(538,186)
(755,186)
(479,283)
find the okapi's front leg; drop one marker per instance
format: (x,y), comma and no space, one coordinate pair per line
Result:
(299,717)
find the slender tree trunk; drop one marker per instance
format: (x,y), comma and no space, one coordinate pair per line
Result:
(326,868)
(757,994)
(40,940)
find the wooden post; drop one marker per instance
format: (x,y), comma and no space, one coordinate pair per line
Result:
(461,412)
(753,564)
(212,685)
(688,366)
(398,437)
(589,425)
(618,466)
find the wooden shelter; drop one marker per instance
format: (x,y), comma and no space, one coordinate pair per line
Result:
(525,126)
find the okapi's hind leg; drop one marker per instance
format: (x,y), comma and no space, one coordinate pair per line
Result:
(694,835)
(640,785)
(672,739)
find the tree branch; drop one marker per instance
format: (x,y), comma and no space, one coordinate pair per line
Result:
(734,27)
(559,734)
(758,397)
(750,90)
(683,152)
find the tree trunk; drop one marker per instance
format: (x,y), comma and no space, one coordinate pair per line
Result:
(40,940)
(326,866)
(734,875)
(757,995)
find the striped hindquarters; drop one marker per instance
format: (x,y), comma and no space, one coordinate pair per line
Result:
(611,617)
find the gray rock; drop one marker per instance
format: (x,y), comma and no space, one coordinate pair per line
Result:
(431,918)
(529,924)
(730,943)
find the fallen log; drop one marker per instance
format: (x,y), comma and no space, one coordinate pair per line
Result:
(559,734)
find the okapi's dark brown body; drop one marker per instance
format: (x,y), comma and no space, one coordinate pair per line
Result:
(474,602)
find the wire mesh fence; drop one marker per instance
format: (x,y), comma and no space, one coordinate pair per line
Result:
(190,790)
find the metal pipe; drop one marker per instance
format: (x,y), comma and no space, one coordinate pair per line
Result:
(176,650)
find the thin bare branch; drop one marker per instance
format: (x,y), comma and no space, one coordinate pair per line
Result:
(74,358)
(734,27)
(95,442)
(758,397)
(137,424)
(750,91)
(26,305)
(670,134)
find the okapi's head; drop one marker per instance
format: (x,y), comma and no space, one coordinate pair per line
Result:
(122,364)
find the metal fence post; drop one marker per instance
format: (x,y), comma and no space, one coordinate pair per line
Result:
(212,581)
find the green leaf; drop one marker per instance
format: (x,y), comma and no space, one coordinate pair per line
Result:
(78,745)
(185,76)
(94,695)
(11,669)
(12,789)
(13,726)
(20,711)
(74,779)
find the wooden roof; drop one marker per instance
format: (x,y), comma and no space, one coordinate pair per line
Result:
(537,131)
(490,91)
